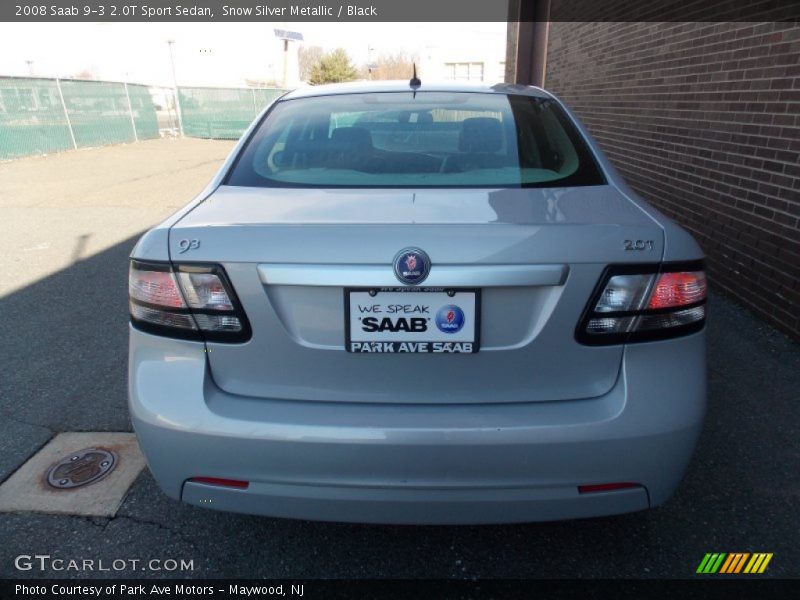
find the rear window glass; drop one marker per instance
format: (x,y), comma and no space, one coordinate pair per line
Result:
(423,139)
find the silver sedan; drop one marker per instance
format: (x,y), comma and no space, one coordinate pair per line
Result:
(406,303)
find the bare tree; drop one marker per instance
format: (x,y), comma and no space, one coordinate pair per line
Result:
(85,74)
(307,57)
(390,66)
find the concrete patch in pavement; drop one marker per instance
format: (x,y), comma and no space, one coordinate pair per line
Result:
(28,489)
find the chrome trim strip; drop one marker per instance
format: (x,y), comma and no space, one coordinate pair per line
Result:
(440,276)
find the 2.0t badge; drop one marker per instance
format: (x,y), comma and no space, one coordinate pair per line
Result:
(412,266)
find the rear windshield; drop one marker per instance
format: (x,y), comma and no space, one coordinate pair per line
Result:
(427,139)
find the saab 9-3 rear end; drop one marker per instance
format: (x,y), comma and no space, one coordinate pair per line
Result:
(434,304)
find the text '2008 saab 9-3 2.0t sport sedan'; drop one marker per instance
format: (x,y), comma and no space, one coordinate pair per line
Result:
(418,304)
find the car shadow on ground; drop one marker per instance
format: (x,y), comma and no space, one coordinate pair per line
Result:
(64,369)
(65,354)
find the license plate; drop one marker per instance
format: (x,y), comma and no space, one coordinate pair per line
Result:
(412,320)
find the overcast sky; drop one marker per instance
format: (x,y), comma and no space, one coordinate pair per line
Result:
(215,53)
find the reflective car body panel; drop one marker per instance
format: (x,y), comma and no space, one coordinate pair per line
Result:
(254,232)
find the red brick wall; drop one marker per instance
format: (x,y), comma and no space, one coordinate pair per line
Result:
(703,120)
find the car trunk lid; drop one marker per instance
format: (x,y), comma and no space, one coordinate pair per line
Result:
(535,254)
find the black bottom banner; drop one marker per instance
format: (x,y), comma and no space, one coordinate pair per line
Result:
(393,588)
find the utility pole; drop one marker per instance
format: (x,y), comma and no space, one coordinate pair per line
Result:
(286,37)
(370,66)
(178,111)
(285,63)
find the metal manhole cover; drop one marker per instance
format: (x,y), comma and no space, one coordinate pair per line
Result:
(81,468)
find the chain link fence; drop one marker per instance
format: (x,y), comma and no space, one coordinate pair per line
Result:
(222,113)
(40,116)
(32,118)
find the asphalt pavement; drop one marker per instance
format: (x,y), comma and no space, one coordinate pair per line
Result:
(69,223)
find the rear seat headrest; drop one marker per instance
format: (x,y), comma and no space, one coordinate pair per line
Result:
(352,138)
(481,134)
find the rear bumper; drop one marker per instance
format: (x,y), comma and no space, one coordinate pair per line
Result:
(476,463)
(414,505)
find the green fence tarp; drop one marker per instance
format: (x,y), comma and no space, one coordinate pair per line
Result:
(98,112)
(222,113)
(144,112)
(32,119)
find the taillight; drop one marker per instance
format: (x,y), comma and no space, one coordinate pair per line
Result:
(645,302)
(190,301)
(678,289)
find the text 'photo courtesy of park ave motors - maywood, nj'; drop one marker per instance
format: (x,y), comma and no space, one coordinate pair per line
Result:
(158,590)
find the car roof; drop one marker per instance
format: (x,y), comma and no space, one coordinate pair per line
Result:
(367,87)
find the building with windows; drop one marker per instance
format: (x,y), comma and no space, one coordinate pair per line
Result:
(476,63)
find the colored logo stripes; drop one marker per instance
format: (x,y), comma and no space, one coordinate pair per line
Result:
(734,562)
